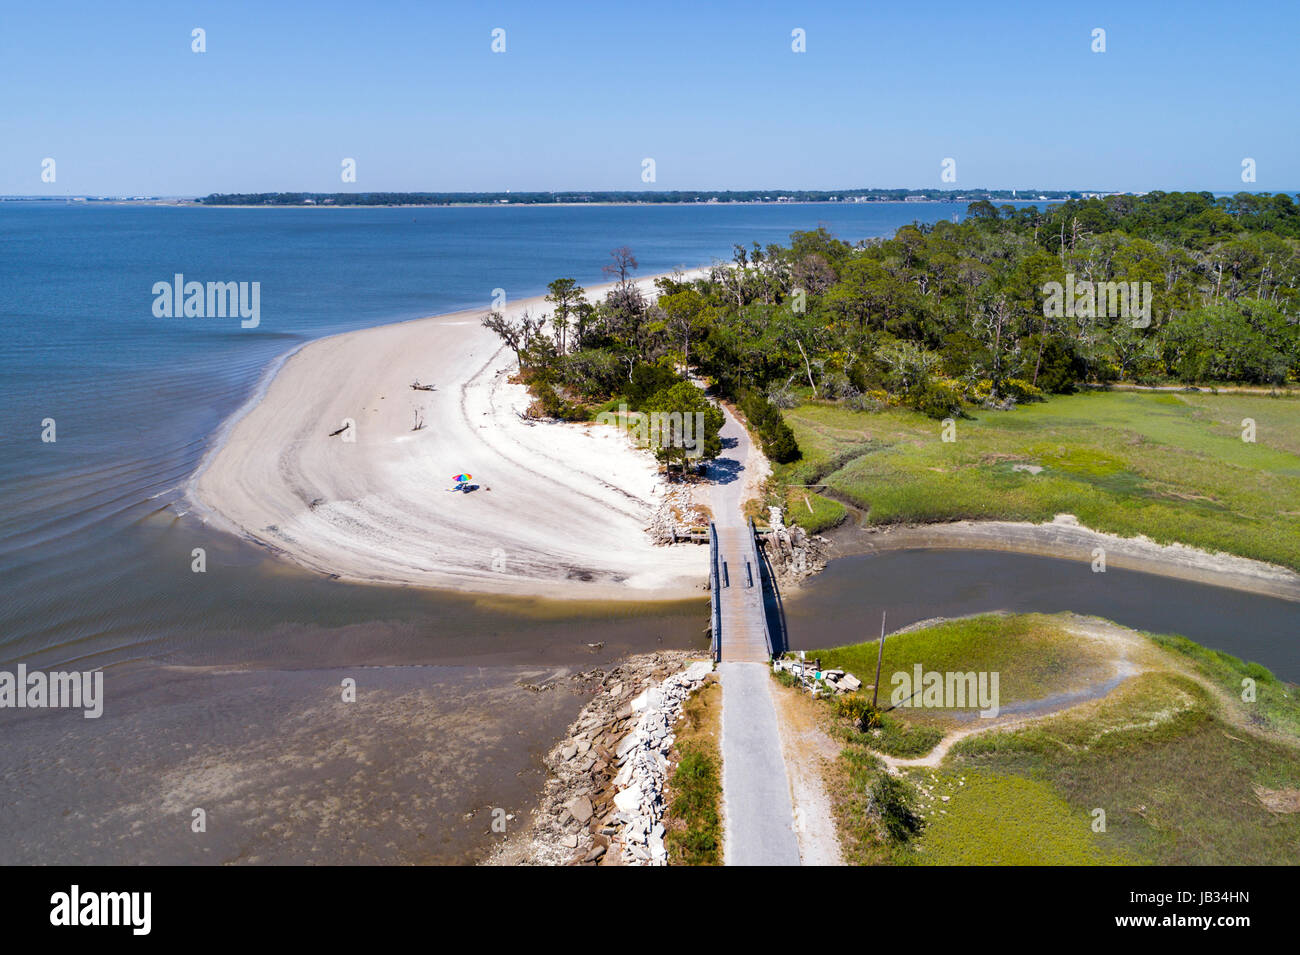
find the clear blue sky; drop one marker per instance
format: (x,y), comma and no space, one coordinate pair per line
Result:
(585,91)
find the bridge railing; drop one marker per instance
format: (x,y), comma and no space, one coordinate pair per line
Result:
(715,598)
(753,546)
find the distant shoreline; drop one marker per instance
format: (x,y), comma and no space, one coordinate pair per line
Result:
(195,204)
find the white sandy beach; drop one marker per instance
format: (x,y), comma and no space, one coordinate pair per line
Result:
(560,512)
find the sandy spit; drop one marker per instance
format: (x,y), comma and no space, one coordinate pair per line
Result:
(561,510)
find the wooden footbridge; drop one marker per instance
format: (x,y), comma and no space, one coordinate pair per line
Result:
(739,582)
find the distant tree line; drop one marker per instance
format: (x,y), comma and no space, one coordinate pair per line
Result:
(949,314)
(642,196)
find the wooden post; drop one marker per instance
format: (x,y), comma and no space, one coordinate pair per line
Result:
(880,655)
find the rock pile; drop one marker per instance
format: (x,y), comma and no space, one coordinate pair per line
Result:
(794,554)
(676,515)
(643,759)
(603,800)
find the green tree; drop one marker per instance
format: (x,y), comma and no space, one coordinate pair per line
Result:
(565,295)
(684,425)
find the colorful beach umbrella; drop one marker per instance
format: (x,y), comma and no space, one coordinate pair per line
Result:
(462,478)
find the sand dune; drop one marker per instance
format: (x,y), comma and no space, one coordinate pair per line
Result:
(561,509)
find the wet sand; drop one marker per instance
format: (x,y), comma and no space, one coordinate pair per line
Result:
(286,772)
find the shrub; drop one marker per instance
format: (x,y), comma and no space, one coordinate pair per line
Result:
(782,396)
(857,708)
(1020,390)
(786,678)
(938,398)
(774,434)
(553,405)
(851,706)
(1060,366)
(646,381)
(865,402)
(698,786)
(891,801)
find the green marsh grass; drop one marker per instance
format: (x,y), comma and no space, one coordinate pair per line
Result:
(1171,466)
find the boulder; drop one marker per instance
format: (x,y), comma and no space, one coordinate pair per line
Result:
(580,808)
(629,800)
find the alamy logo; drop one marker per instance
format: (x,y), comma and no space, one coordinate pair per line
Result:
(182,299)
(931,689)
(37,690)
(74,907)
(660,429)
(1128,300)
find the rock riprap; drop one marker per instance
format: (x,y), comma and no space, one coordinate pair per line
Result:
(603,802)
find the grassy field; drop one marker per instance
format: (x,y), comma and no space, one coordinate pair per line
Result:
(1032,654)
(1177,781)
(1171,466)
(811,511)
(693,822)
(1003,820)
(1184,770)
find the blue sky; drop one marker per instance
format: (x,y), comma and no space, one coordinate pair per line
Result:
(585,91)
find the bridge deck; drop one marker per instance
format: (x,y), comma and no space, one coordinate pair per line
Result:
(741,598)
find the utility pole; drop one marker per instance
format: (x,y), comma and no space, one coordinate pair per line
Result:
(880,655)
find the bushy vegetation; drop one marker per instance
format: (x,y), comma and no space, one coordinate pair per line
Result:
(697,784)
(589,360)
(1011,305)
(891,800)
(694,817)
(857,709)
(764,418)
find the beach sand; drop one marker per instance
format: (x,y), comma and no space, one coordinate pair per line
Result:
(561,510)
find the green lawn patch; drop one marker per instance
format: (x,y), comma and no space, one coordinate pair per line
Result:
(1004,820)
(811,511)
(1033,654)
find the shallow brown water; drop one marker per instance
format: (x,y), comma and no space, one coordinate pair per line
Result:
(223,692)
(843,604)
